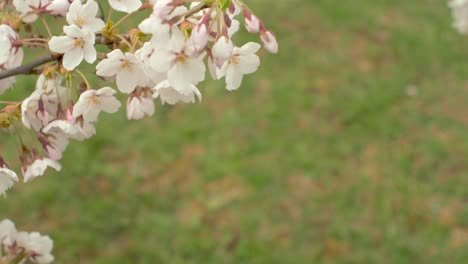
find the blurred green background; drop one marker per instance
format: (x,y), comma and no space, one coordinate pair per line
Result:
(349,146)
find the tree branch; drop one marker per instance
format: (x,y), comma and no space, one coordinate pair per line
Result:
(26,68)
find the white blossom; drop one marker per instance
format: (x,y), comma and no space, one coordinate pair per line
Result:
(76,46)
(37,247)
(10,56)
(127,68)
(158,27)
(169,95)
(243,61)
(7,179)
(38,167)
(140,104)
(7,231)
(65,128)
(92,102)
(59,7)
(176,58)
(127,6)
(28,9)
(84,16)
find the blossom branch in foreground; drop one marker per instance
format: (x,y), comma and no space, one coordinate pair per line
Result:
(166,55)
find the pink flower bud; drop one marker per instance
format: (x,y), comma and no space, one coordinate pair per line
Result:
(200,36)
(252,23)
(163,8)
(59,7)
(222,50)
(269,41)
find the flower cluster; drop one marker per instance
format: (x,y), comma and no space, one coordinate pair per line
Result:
(20,247)
(460,15)
(165,56)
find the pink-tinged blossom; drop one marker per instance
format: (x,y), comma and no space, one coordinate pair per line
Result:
(54,144)
(127,68)
(7,178)
(140,103)
(76,46)
(200,34)
(59,7)
(152,76)
(158,27)
(10,56)
(92,102)
(30,9)
(38,167)
(29,111)
(84,16)
(37,248)
(243,61)
(8,50)
(169,95)
(67,129)
(176,58)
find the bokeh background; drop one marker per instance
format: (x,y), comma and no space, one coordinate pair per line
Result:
(349,146)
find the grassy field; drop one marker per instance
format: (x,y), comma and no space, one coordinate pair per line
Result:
(350,146)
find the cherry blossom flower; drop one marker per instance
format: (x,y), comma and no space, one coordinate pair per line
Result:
(30,109)
(37,247)
(7,178)
(10,56)
(59,7)
(38,167)
(243,61)
(169,95)
(84,16)
(127,68)
(92,102)
(67,129)
(76,46)
(460,15)
(7,232)
(140,103)
(127,6)
(24,246)
(54,144)
(158,27)
(7,36)
(175,57)
(29,9)
(152,76)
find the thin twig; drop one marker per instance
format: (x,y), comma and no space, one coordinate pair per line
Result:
(26,68)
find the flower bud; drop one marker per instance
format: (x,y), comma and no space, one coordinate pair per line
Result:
(222,51)
(252,23)
(269,41)
(200,36)
(59,7)
(163,8)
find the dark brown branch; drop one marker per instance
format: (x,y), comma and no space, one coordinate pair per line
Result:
(26,68)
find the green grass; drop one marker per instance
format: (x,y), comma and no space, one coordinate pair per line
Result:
(320,157)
